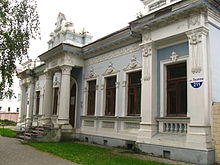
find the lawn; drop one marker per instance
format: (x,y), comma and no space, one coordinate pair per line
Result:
(89,154)
(8,122)
(7,132)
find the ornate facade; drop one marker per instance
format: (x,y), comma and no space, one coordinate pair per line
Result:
(151,85)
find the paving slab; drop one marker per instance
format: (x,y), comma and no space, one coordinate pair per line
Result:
(12,152)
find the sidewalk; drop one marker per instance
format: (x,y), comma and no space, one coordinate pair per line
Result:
(12,152)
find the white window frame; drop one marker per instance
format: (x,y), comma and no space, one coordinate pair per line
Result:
(163,82)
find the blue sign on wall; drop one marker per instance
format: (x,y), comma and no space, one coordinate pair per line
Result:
(196,82)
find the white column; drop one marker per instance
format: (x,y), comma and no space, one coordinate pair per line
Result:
(148,126)
(199,100)
(47,103)
(63,114)
(30,101)
(23,105)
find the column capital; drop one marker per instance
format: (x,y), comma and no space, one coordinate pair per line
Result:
(147,48)
(66,69)
(195,35)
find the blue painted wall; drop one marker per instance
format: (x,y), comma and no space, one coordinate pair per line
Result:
(181,49)
(214,40)
(119,63)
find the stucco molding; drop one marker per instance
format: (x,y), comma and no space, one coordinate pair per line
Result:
(146,61)
(110,70)
(91,75)
(134,64)
(174,57)
(115,53)
(195,38)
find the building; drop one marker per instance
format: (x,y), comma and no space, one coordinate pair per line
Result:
(151,85)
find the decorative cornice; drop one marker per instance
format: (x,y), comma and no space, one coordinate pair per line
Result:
(134,64)
(116,53)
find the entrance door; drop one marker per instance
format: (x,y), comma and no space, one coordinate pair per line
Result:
(72,105)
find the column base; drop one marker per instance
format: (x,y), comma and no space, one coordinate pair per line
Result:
(63,121)
(199,137)
(146,132)
(46,121)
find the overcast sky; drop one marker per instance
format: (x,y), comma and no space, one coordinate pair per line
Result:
(99,17)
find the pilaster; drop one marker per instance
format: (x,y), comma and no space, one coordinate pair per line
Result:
(23,103)
(199,101)
(30,101)
(63,114)
(47,103)
(148,126)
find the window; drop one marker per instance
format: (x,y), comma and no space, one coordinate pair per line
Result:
(134,93)
(110,96)
(37,102)
(176,90)
(9,109)
(0,108)
(17,110)
(91,97)
(55,100)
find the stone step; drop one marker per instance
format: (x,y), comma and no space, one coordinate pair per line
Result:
(36,132)
(24,138)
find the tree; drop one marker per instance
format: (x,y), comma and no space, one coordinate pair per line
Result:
(19,22)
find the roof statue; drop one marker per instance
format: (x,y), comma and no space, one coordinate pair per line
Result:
(65,33)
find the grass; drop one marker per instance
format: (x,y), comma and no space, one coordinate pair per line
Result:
(89,154)
(8,122)
(7,132)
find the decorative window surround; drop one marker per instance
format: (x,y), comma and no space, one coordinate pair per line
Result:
(92,75)
(85,97)
(163,82)
(110,71)
(133,66)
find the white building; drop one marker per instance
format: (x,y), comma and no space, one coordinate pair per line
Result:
(152,84)
(12,104)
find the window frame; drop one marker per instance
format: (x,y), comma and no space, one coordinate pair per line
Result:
(37,101)
(113,90)
(91,112)
(176,83)
(136,100)
(163,82)
(55,111)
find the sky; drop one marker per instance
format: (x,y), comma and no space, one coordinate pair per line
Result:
(98,17)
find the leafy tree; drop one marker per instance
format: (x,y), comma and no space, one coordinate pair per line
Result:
(19,22)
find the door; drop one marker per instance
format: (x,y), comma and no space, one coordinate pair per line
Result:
(72,105)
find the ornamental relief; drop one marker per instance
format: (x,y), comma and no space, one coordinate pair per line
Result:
(134,64)
(147,59)
(57,79)
(110,70)
(92,74)
(116,53)
(147,50)
(195,41)
(193,20)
